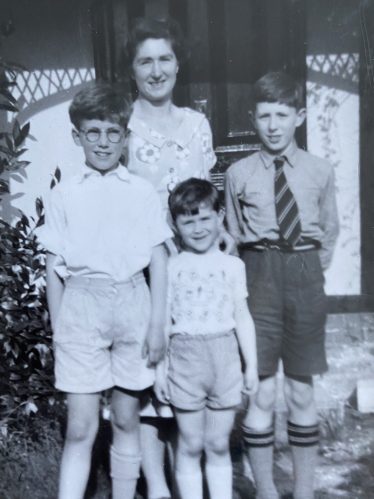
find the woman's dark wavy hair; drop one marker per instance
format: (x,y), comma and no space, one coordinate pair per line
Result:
(100,101)
(149,27)
(278,87)
(187,197)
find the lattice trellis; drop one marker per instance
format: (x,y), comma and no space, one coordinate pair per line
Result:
(33,86)
(345,66)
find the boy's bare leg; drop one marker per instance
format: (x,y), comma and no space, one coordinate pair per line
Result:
(218,426)
(83,418)
(125,451)
(153,460)
(258,433)
(302,434)
(191,426)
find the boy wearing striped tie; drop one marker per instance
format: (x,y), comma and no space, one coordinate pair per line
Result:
(281,210)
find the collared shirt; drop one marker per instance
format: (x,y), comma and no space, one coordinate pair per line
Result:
(103,225)
(250,205)
(165,161)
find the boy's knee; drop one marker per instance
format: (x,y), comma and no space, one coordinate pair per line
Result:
(80,430)
(216,445)
(299,396)
(264,399)
(192,446)
(124,422)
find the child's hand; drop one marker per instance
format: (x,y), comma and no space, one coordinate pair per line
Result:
(250,381)
(154,346)
(161,388)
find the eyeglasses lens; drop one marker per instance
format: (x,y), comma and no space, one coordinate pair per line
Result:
(113,135)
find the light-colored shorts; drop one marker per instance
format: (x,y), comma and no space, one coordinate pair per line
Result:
(204,371)
(99,333)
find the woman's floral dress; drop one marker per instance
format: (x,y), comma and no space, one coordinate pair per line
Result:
(165,161)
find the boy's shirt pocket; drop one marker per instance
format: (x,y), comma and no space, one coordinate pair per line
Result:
(258,208)
(257,199)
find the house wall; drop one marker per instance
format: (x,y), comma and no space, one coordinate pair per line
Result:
(52,40)
(333,39)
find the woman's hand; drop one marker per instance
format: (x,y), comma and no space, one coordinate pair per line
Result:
(228,243)
(172,247)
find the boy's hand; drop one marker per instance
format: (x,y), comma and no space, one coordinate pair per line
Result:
(250,381)
(161,387)
(154,346)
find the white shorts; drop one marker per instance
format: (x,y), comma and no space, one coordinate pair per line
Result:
(99,334)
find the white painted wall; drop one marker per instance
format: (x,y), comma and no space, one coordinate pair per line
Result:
(52,147)
(333,125)
(53,41)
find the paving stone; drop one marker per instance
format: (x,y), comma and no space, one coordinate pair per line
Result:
(365,395)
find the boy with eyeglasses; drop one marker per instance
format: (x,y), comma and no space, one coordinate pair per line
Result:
(102,228)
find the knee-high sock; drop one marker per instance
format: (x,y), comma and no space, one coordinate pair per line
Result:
(219,480)
(260,445)
(124,470)
(304,445)
(190,485)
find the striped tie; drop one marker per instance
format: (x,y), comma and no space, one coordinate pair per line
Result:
(285,205)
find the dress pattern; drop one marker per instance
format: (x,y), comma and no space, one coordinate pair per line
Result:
(165,161)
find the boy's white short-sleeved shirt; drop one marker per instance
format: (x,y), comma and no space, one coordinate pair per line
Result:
(203,290)
(103,226)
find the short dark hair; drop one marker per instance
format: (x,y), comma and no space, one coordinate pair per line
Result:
(188,195)
(101,101)
(144,28)
(278,87)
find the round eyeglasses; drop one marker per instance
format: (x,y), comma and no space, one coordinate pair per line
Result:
(114,135)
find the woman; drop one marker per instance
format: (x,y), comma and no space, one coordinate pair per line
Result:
(166,144)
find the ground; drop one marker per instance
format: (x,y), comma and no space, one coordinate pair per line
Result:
(29,456)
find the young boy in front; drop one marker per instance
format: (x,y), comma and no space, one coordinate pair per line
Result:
(281,209)
(102,228)
(210,322)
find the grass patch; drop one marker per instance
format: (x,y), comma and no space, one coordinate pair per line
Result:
(29,460)
(31,451)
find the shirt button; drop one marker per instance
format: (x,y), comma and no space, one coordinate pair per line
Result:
(169,143)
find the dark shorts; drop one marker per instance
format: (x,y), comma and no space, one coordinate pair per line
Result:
(288,304)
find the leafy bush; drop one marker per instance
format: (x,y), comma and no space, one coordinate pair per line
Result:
(10,141)
(26,374)
(25,335)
